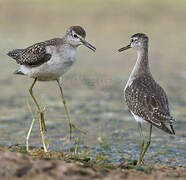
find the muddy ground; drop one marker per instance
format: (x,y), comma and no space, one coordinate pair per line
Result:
(93,90)
(21,165)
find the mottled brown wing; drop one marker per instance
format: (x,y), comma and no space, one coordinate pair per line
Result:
(148,100)
(34,55)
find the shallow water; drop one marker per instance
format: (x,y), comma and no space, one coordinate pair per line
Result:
(93,87)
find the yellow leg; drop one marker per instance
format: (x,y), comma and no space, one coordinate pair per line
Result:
(66,110)
(30,129)
(148,142)
(41,113)
(142,144)
(28,135)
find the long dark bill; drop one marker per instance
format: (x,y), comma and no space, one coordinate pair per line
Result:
(88,45)
(124,48)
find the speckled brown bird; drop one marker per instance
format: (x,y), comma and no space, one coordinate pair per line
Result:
(145,98)
(48,61)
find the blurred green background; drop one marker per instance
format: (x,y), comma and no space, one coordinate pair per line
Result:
(93,86)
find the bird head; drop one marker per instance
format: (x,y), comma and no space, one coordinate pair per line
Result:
(137,41)
(75,36)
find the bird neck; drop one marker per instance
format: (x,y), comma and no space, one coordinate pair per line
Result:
(142,63)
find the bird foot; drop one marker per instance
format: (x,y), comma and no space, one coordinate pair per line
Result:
(140,162)
(80,130)
(42,110)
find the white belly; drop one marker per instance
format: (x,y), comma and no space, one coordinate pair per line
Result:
(60,62)
(129,82)
(137,118)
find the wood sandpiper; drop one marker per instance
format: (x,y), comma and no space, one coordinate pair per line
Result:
(48,61)
(145,98)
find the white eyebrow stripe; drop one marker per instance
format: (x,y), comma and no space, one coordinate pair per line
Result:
(134,38)
(76,34)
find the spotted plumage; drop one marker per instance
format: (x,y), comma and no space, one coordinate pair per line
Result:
(36,54)
(48,61)
(146,99)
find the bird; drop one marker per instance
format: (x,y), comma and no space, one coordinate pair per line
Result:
(48,61)
(145,98)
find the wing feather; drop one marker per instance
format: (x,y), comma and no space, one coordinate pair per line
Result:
(148,100)
(34,55)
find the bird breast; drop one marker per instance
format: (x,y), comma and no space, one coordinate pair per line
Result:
(62,58)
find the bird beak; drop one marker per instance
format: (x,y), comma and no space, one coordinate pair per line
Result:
(88,45)
(124,48)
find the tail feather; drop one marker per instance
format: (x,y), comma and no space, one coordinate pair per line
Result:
(167,130)
(172,128)
(163,127)
(18,72)
(172,120)
(14,53)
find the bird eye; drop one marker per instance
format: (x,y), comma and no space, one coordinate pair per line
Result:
(75,36)
(132,40)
